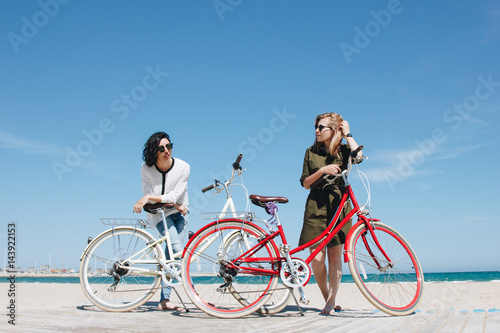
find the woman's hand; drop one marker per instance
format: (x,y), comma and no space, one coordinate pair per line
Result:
(330,169)
(181,208)
(140,203)
(344,127)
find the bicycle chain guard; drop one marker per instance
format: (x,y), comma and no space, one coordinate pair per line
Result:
(297,276)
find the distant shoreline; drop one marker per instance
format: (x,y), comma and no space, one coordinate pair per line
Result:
(37,275)
(492,276)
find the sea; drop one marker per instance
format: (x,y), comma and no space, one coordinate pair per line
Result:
(493,276)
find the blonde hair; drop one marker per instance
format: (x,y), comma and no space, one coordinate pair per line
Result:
(334,122)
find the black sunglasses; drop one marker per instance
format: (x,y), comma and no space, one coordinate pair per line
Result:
(321,127)
(168,146)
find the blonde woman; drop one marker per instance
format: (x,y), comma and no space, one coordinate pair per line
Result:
(327,156)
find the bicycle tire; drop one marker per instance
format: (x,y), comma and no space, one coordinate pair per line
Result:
(102,265)
(280,296)
(394,290)
(211,281)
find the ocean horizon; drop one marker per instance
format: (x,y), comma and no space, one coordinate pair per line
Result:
(437,277)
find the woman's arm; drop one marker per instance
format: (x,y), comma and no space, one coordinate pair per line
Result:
(308,179)
(330,169)
(181,208)
(344,127)
(147,187)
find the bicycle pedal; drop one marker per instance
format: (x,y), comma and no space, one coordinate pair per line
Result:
(304,300)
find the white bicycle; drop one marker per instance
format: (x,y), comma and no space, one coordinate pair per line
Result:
(241,243)
(122,268)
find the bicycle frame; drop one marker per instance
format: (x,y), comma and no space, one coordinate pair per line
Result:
(326,237)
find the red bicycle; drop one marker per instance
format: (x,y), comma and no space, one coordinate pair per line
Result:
(231,267)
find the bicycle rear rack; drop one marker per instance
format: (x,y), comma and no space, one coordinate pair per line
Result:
(138,223)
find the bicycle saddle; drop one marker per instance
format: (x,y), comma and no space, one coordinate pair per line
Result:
(261,200)
(154,208)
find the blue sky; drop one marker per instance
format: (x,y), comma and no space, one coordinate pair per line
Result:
(84,84)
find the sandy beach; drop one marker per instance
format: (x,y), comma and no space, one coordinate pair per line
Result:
(445,307)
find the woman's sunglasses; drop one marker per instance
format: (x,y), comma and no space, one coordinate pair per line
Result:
(321,127)
(168,146)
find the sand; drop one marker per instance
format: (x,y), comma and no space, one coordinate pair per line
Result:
(445,307)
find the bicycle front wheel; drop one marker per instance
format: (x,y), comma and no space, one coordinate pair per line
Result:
(393,287)
(115,274)
(222,286)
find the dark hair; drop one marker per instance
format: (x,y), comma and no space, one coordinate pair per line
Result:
(151,147)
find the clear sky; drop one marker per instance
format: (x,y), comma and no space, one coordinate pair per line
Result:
(85,83)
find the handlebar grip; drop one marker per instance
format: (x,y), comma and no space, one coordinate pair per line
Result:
(208,188)
(355,152)
(236,164)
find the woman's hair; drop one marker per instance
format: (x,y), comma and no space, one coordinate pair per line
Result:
(334,122)
(150,152)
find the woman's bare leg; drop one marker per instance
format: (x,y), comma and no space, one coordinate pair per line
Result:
(335,275)
(320,274)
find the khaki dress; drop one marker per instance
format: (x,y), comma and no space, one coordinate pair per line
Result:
(322,204)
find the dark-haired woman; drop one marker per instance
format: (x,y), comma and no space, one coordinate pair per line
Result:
(327,156)
(164,179)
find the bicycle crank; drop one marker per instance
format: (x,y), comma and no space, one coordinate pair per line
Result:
(296,276)
(171,274)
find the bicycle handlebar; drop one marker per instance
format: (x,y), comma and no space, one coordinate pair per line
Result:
(355,152)
(236,167)
(208,188)
(236,164)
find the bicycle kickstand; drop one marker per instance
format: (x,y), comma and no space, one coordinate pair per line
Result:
(179,297)
(296,301)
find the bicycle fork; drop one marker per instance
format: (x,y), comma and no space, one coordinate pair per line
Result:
(377,243)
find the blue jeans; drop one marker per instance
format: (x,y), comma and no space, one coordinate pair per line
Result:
(176,224)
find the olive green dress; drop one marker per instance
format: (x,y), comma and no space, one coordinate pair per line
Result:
(322,204)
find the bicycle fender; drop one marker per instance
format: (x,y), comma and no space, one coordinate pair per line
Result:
(217,222)
(105,231)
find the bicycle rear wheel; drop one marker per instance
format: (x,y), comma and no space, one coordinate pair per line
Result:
(394,288)
(281,295)
(109,272)
(217,284)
